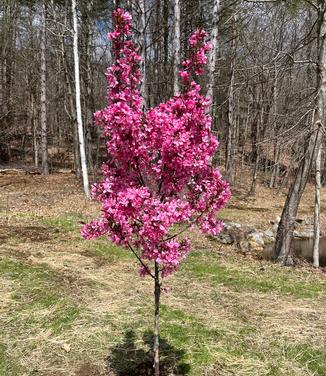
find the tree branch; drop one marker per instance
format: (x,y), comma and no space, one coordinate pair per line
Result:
(141,261)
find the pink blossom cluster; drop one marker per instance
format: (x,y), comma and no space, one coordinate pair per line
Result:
(159,171)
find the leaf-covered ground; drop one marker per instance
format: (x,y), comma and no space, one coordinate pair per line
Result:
(74,307)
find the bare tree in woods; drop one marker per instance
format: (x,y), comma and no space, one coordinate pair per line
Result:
(43,97)
(214,51)
(231,120)
(286,225)
(143,88)
(78,104)
(317,210)
(177,47)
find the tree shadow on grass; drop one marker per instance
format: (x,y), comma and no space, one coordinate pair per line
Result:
(128,360)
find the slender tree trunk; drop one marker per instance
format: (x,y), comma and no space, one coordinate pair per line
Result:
(71,111)
(286,226)
(231,119)
(143,88)
(252,191)
(317,211)
(78,105)
(276,166)
(273,180)
(35,135)
(157,295)
(166,13)
(43,112)
(89,105)
(177,47)
(213,52)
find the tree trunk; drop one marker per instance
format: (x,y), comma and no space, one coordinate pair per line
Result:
(78,105)
(274,176)
(317,211)
(89,105)
(213,52)
(43,112)
(177,47)
(143,88)
(231,119)
(166,14)
(71,111)
(286,225)
(157,294)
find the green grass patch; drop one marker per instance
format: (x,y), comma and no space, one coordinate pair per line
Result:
(8,365)
(64,316)
(18,270)
(184,331)
(240,277)
(105,249)
(307,356)
(69,222)
(39,290)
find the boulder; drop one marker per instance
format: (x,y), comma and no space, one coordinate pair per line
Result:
(224,237)
(255,247)
(256,237)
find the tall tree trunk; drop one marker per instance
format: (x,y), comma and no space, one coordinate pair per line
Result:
(143,88)
(177,47)
(286,225)
(43,112)
(166,14)
(78,105)
(35,133)
(89,98)
(231,119)
(157,294)
(317,211)
(276,166)
(273,180)
(71,109)
(213,52)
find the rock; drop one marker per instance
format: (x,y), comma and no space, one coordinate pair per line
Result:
(303,234)
(224,237)
(269,234)
(247,238)
(256,237)
(275,221)
(269,237)
(244,246)
(230,225)
(255,247)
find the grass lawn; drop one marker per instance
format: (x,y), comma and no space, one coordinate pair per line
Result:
(74,307)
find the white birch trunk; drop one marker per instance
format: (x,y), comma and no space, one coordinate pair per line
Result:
(177,47)
(43,104)
(317,211)
(214,51)
(78,105)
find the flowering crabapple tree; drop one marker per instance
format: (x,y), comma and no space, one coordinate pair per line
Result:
(159,172)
